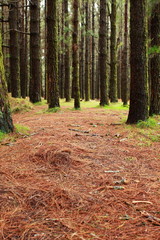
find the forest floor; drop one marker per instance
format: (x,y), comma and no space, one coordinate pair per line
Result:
(79,175)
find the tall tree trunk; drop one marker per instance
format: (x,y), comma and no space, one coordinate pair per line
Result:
(82,52)
(62,67)
(14,49)
(5,43)
(93,50)
(125,72)
(113,52)
(52,54)
(6,124)
(87,58)
(155,62)
(23,53)
(103,53)
(35,60)
(138,33)
(67,54)
(75,46)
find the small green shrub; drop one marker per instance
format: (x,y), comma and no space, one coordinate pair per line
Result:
(149,123)
(53,110)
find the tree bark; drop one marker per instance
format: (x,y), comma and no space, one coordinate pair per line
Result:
(6,124)
(113,52)
(35,60)
(125,71)
(67,55)
(14,49)
(93,51)
(87,58)
(155,62)
(23,52)
(75,47)
(103,53)
(52,54)
(138,33)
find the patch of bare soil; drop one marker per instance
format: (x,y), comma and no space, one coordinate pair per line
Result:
(79,175)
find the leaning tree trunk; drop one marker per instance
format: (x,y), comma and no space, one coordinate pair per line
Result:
(103,53)
(14,49)
(52,54)
(6,124)
(76,90)
(155,62)
(113,52)
(35,60)
(138,33)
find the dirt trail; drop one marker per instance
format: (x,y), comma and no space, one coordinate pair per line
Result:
(79,175)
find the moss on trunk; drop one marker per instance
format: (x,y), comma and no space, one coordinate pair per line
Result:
(6,124)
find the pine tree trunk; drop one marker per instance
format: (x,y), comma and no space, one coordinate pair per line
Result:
(35,60)
(62,66)
(82,53)
(125,72)
(52,54)
(6,124)
(113,63)
(103,53)
(75,46)
(155,62)
(23,53)
(14,49)
(93,50)
(67,54)
(87,59)
(138,33)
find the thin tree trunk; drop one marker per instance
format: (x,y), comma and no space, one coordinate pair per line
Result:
(138,33)
(155,62)
(113,63)
(87,59)
(125,71)
(75,46)
(82,52)
(103,53)
(93,50)
(67,54)
(52,54)
(35,61)
(23,53)
(14,49)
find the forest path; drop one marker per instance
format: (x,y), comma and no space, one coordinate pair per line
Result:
(79,175)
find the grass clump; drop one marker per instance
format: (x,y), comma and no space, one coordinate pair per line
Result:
(149,123)
(20,105)
(2,135)
(53,110)
(41,103)
(22,129)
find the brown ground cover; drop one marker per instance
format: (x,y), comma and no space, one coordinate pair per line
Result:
(79,175)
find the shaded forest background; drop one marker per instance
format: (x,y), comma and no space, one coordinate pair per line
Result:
(105,50)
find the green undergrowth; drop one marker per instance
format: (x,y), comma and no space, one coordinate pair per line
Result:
(41,103)
(20,105)
(145,132)
(22,129)
(117,106)
(2,135)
